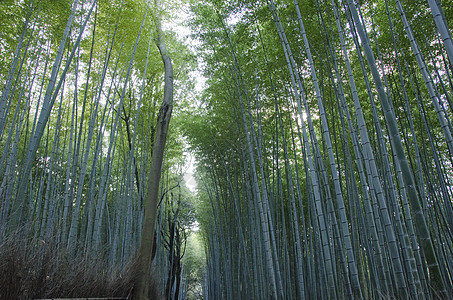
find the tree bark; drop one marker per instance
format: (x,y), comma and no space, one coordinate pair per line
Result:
(152,194)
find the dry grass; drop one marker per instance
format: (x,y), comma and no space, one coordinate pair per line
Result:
(41,271)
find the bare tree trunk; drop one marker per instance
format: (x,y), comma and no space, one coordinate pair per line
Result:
(152,194)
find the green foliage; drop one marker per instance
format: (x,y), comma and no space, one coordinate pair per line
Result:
(267,205)
(194,263)
(89,174)
(244,63)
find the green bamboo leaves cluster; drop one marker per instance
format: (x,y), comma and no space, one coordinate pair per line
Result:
(324,151)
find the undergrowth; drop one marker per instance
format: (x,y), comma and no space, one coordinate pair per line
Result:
(37,270)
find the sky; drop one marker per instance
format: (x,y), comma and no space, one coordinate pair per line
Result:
(188,175)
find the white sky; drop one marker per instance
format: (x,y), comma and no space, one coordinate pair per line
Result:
(188,175)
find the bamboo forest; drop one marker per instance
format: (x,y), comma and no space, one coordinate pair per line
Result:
(226,149)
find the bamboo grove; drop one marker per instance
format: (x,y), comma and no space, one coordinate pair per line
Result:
(324,149)
(82,83)
(322,139)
